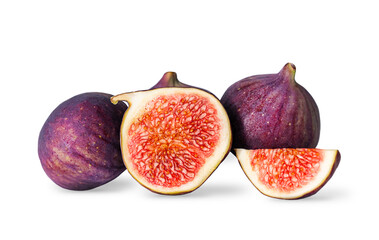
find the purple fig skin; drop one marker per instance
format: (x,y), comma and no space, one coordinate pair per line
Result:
(79,144)
(272,111)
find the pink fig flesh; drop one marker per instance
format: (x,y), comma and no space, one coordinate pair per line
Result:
(288,173)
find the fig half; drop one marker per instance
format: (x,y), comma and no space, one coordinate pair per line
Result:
(272,111)
(173,138)
(288,173)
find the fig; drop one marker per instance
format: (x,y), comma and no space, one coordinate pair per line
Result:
(79,144)
(272,111)
(288,173)
(173,138)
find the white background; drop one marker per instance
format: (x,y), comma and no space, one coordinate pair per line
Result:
(53,50)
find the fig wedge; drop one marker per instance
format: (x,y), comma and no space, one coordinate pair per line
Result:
(288,173)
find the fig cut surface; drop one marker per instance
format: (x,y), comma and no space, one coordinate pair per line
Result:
(288,173)
(172,139)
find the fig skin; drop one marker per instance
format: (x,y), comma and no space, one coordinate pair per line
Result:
(272,111)
(79,144)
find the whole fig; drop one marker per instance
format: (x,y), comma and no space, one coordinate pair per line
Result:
(272,111)
(79,144)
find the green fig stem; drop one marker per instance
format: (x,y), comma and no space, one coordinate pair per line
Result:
(288,73)
(124,97)
(115,99)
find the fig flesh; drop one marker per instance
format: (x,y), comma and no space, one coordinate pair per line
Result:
(79,144)
(288,173)
(172,139)
(272,111)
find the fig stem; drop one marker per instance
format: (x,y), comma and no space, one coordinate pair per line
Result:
(123,97)
(169,79)
(288,72)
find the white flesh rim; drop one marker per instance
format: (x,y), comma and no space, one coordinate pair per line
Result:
(326,166)
(137,102)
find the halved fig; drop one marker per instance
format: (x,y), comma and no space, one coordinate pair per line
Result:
(288,173)
(173,138)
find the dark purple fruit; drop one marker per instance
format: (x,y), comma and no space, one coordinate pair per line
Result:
(272,111)
(79,144)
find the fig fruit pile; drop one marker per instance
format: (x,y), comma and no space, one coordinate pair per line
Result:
(173,136)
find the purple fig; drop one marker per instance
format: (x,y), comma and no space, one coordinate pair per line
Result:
(272,111)
(79,144)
